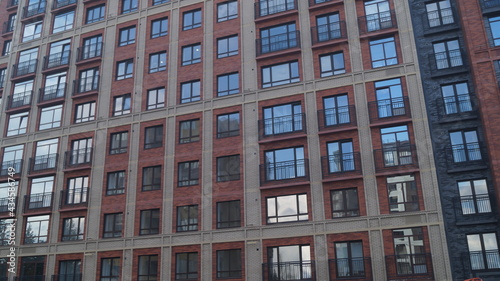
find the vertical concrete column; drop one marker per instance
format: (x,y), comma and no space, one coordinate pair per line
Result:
(166,263)
(208,50)
(127,265)
(377,255)
(321,257)
(353,35)
(248,34)
(168,171)
(95,185)
(131,187)
(251,167)
(89,264)
(207,171)
(206,262)
(253,260)
(173,59)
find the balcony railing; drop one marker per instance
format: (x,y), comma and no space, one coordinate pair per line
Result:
(386,109)
(450,60)
(328,32)
(34,9)
(266,7)
(89,51)
(413,266)
(56,60)
(52,92)
(489,4)
(285,171)
(8,27)
(16,164)
(38,201)
(484,260)
(475,204)
(62,3)
(338,117)
(291,271)
(282,125)
(376,22)
(43,162)
(468,156)
(73,198)
(24,68)
(278,42)
(19,100)
(395,157)
(4,204)
(12,3)
(341,165)
(459,104)
(86,85)
(76,158)
(358,269)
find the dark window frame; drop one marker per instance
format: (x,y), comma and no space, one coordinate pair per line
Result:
(122,107)
(100,9)
(151,266)
(189,223)
(229,175)
(127,36)
(155,140)
(345,211)
(128,69)
(225,6)
(156,60)
(113,186)
(227,42)
(156,93)
(227,90)
(153,183)
(194,22)
(227,133)
(162,25)
(118,143)
(230,259)
(116,230)
(193,131)
(226,216)
(149,222)
(193,173)
(80,229)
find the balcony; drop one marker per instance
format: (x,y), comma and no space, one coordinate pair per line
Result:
(264,8)
(447,63)
(87,85)
(389,109)
(16,164)
(78,158)
(439,21)
(43,163)
(341,165)
(8,27)
(38,202)
(474,209)
(337,118)
(57,4)
(282,125)
(53,92)
(56,60)
(396,158)
(278,42)
(465,157)
(24,68)
(484,260)
(4,205)
(359,269)
(490,6)
(456,108)
(409,267)
(36,9)
(377,22)
(284,172)
(290,271)
(89,51)
(328,32)
(19,100)
(73,199)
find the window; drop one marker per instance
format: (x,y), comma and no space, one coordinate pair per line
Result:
(37,229)
(191,54)
(11,23)
(228,168)
(229,263)
(188,173)
(383,52)
(150,222)
(269,7)
(153,137)
(3,71)
(191,19)
(41,191)
(124,69)
(5,230)
(12,157)
(22,94)
(77,190)
(456,98)
(439,13)
(32,31)
(228,84)
(340,156)
(289,263)
(89,80)
(158,2)
(50,117)
(118,143)
(129,6)
(228,214)
(92,47)
(95,13)
(121,105)
(474,197)
(63,22)
(32,268)
(17,124)
(287,208)
(287,163)
(113,225)
(151,178)
(402,192)
(409,248)
(186,266)
(345,203)
(483,251)
(27,62)
(396,146)
(349,259)
(85,112)
(55,86)
(332,64)
(336,110)
(70,270)
(280,74)
(148,268)
(281,119)
(73,229)
(494,25)
(228,125)
(115,183)
(328,27)
(189,131)
(110,269)
(465,146)
(278,38)
(187,218)
(156,98)
(158,62)
(227,11)
(227,47)
(378,15)
(447,54)
(159,27)
(6,47)
(389,94)
(81,151)
(127,36)
(190,91)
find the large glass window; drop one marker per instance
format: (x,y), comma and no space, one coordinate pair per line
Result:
(85,112)
(12,157)
(328,27)
(73,229)
(383,52)
(95,13)
(40,193)
(229,263)
(190,91)
(18,124)
(32,31)
(91,47)
(332,64)
(285,163)
(409,250)
(227,46)
(396,146)
(63,22)
(378,15)
(269,7)
(456,98)
(124,69)
(191,19)
(77,190)
(228,125)
(27,62)
(336,110)
(129,6)
(465,146)
(345,203)
(45,154)
(349,259)
(156,98)
(474,196)
(89,80)
(158,62)
(110,269)
(153,137)
(189,131)
(191,54)
(228,168)
(70,270)
(127,36)
(227,10)
(22,95)
(159,27)
(287,208)
(187,218)
(228,214)
(151,178)
(389,94)
(447,54)
(118,143)
(121,105)
(188,173)
(116,183)
(113,224)
(279,37)
(228,84)
(282,119)
(340,156)
(280,74)
(483,251)
(148,268)
(37,229)
(402,192)
(494,23)
(186,266)
(55,86)
(50,117)
(150,222)
(289,262)
(439,13)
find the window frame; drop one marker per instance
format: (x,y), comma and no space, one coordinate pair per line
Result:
(193,173)
(228,90)
(91,11)
(52,111)
(66,26)
(129,6)
(192,130)
(122,105)
(345,211)
(156,60)
(81,111)
(190,91)
(115,183)
(154,143)
(116,230)
(388,50)
(189,223)
(127,36)
(162,24)
(440,14)
(293,73)
(474,198)
(152,226)
(122,139)
(231,218)
(275,171)
(408,188)
(230,174)
(156,176)
(158,94)
(274,216)
(190,52)
(324,71)
(80,229)
(124,69)
(225,46)
(227,133)
(114,264)
(151,265)
(230,259)
(39,236)
(20,122)
(226,5)
(193,23)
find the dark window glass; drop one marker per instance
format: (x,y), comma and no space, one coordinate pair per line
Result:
(186,266)
(189,131)
(402,192)
(280,74)
(227,11)
(229,263)
(286,163)
(150,222)
(190,91)
(345,203)
(278,38)
(148,268)
(227,47)
(281,119)
(73,229)
(127,36)
(187,218)
(158,62)
(153,137)
(228,125)
(191,54)
(121,105)
(124,69)
(92,47)
(95,13)
(349,259)
(439,13)
(118,143)
(151,178)
(474,197)
(116,183)
(129,6)
(188,173)
(70,270)
(191,19)
(110,269)
(113,224)
(228,214)
(159,27)
(332,64)
(228,84)
(228,168)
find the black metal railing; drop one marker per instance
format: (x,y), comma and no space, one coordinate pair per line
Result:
(84,85)
(278,42)
(24,68)
(19,100)
(89,51)
(12,3)
(456,104)
(62,3)
(341,165)
(489,4)
(484,260)
(409,265)
(284,171)
(34,9)
(316,2)
(266,7)
(52,92)
(341,116)
(439,18)
(57,59)
(79,157)
(389,108)
(43,162)
(465,156)
(395,156)
(8,27)
(73,198)
(282,125)
(445,60)
(376,22)
(16,164)
(4,204)
(38,201)
(291,271)
(328,32)
(350,268)
(475,204)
